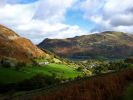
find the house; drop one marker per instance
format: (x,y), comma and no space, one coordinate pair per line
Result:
(43,63)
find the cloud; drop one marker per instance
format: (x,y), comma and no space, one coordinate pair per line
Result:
(117,6)
(119,13)
(128,29)
(122,20)
(53,11)
(109,14)
(37,30)
(90,7)
(2,3)
(17,14)
(39,20)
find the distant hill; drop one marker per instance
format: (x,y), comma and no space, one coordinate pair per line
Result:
(105,45)
(14,46)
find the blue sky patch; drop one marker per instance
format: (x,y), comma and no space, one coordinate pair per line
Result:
(76,18)
(21,1)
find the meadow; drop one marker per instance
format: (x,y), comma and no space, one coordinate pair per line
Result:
(8,75)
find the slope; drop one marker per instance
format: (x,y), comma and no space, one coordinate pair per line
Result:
(14,46)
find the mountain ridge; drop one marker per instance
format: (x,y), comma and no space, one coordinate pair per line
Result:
(108,44)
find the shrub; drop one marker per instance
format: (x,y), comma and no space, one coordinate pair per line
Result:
(8,62)
(80,68)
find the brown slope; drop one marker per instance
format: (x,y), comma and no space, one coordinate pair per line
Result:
(14,46)
(107,44)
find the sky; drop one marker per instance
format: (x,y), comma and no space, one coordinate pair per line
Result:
(40,19)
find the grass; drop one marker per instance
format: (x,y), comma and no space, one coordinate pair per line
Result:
(59,70)
(12,76)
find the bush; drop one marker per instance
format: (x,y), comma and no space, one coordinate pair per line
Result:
(8,62)
(101,68)
(80,68)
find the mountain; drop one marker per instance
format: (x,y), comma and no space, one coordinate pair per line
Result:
(14,46)
(105,45)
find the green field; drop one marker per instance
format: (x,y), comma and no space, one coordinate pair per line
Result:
(59,70)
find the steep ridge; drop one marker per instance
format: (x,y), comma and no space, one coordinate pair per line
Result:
(14,46)
(105,45)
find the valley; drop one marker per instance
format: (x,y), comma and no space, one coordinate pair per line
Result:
(73,67)
(66,49)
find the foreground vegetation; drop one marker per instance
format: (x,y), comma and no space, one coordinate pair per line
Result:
(88,88)
(27,77)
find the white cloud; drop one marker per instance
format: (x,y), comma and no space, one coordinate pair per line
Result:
(119,14)
(17,14)
(39,20)
(90,7)
(117,6)
(45,18)
(128,29)
(53,11)
(37,30)
(109,14)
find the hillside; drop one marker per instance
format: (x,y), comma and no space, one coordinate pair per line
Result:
(105,45)
(14,46)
